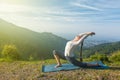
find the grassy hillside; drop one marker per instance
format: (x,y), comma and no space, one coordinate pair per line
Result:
(29,43)
(22,70)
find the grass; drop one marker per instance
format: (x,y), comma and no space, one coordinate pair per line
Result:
(31,70)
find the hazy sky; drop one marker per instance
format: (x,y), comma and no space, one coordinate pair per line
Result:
(64,16)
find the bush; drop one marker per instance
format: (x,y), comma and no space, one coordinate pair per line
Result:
(101,57)
(31,58)
(10,52)
(5,60)
(115,56)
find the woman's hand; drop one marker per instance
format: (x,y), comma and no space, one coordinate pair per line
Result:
(91,33)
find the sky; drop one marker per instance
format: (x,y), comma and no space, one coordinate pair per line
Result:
(64,17)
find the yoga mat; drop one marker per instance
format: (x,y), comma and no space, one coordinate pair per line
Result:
(69,66)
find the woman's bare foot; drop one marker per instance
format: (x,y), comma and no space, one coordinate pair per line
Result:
(58,65)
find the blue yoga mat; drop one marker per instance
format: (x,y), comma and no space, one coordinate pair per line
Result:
(68,66)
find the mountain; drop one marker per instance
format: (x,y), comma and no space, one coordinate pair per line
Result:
(30,43)
(41,45)
(105,48)
(93,42)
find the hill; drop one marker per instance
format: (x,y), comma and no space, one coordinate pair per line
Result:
(29,43)
(106,48)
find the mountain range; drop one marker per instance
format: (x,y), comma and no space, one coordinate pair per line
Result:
(41,45)
(30,43)
(105,48)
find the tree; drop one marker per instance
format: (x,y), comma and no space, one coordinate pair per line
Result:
(10,51)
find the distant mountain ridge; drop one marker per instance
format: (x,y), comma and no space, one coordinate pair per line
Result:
(39,45)
(105,48)
(92,42)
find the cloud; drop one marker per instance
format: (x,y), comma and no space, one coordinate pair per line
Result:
(86,6)
(108,4)
(72,15)
(68,13)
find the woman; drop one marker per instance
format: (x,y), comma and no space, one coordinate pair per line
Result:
(69,51)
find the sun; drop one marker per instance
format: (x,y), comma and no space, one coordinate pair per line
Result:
(6,7)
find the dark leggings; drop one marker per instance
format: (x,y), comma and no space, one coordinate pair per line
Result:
(71,59)
(76,62)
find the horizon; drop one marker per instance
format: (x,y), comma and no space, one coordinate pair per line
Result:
(64,18)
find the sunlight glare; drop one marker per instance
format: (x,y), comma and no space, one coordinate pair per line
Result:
(5,7)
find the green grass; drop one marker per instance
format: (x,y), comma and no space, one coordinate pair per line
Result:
(31,70)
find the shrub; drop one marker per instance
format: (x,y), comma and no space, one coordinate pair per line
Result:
(10,51)
(101,57)
(31,58)
(115,56)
